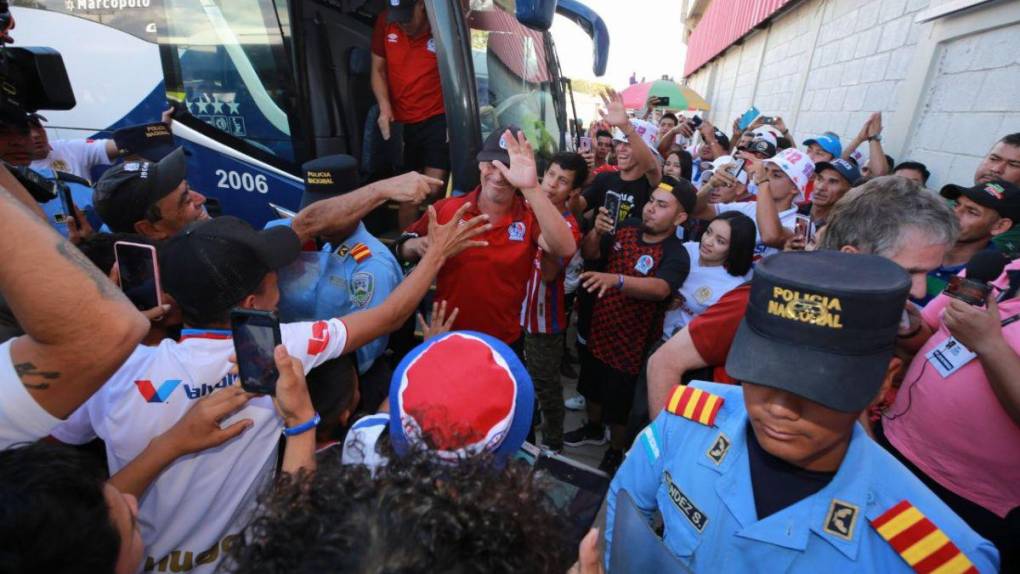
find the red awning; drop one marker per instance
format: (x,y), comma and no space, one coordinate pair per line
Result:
(725,22)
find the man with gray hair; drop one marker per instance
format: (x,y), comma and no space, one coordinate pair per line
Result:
(888,216)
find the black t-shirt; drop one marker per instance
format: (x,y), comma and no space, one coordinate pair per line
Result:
(778,484)
(633,194)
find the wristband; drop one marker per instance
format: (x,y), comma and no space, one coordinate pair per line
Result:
(619,282)
(303,427)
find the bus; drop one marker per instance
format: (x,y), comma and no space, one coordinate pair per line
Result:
(265,85)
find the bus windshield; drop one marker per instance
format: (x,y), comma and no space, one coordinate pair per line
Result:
(513,75)
(228,63)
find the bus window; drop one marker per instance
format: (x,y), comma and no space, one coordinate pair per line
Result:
(228,63)
(512,75)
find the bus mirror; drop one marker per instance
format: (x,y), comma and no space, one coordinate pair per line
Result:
(593,25)
(536,14)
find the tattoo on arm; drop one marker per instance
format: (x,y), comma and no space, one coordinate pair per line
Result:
(24,370)
(106,289)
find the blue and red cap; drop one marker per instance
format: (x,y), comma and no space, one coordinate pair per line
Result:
(461,394)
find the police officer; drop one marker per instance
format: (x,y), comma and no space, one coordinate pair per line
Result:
(776,474)
(350,272)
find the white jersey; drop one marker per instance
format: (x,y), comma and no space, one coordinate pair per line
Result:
(199,503)
(76,157)
(363,438)
(787,219)
(702,288)
(21,418)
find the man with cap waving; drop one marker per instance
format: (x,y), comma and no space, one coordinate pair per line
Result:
(777,474)
(488,285)
(405,81)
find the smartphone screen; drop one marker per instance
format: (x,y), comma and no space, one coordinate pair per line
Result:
(585,144)
(139,273)
(66,204)
(612,205)
(748,117)
(256,334)
(737,167)
(803,228)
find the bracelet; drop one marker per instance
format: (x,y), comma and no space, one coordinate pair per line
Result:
(619,282)
(303,427)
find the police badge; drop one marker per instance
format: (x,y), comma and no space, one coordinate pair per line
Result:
(361,288)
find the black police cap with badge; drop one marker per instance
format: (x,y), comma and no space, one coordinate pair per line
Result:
(152,141)
(821,325)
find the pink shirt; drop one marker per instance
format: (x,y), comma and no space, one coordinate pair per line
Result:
(955,429)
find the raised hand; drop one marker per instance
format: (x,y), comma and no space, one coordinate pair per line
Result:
(439,323)
(615,113)
(523,172)
(457,234)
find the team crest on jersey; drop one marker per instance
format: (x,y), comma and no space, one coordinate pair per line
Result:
(644,264)
(516,231)
(362,287)
(431,45)
(59,165)
(703,294)
(391,38)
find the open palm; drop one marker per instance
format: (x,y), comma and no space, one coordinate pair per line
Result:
(522,172)
(615,113)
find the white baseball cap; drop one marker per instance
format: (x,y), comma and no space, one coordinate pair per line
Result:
(648,131)
(796,165)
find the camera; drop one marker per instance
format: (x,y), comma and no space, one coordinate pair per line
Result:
(31,79)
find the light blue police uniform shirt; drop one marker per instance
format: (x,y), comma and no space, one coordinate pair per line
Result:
(332,283)
(703,490)
(82,197)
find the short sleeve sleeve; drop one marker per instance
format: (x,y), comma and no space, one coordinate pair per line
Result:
(378,35)
(314,343)
(712,332)
(676,264)
(21,418)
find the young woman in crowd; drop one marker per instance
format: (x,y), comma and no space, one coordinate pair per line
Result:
(720,262)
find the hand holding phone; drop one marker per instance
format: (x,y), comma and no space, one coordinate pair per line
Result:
(139,274)
(585,145)
(256,335)
(612,205)
(67,205)
(804,228)
(736,167)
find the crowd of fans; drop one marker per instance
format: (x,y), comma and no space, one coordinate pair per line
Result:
(795,354)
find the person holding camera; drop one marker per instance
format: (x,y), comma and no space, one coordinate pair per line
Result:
(955,420)
(644,264)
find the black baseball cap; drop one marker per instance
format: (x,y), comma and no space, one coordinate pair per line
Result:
(328,176)
(762,147)
(1000,195)
(821,325)
(683,190)
(400,11)
(844,168)
(213,264)
(494,147)
(151,141)
(127,190)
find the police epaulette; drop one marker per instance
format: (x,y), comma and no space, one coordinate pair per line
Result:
(919,542)
(695,404)
(360,252)
(71,178)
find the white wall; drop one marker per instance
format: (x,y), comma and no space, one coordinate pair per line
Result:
(947,88)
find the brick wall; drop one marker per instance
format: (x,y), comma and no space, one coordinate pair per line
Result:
(857,56)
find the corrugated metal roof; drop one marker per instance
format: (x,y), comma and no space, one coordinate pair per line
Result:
(725,22)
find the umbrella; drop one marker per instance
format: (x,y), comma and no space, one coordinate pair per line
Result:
(680,97)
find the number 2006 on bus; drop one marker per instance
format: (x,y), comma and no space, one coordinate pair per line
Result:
(242,181)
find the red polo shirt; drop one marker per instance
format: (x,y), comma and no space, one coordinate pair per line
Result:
(488,283)
(412,73)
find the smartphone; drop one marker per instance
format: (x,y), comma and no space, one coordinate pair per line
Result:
(662,101)
(612,205)
(768,120)
(696,122)
(585,144)
(256,335)
(748,117)
(139,274)
(803,228)
(66,205)
(736,167)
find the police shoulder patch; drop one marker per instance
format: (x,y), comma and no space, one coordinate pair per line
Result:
(362,288)
(919,542)
(695,404)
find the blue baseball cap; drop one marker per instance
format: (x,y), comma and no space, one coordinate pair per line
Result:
(829,142)
(460,394)
(845,168)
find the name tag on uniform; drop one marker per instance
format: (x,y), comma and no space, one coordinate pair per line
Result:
(950,356)
(644,264)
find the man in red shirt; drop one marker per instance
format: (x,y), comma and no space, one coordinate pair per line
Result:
(488,285)
(405,81)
